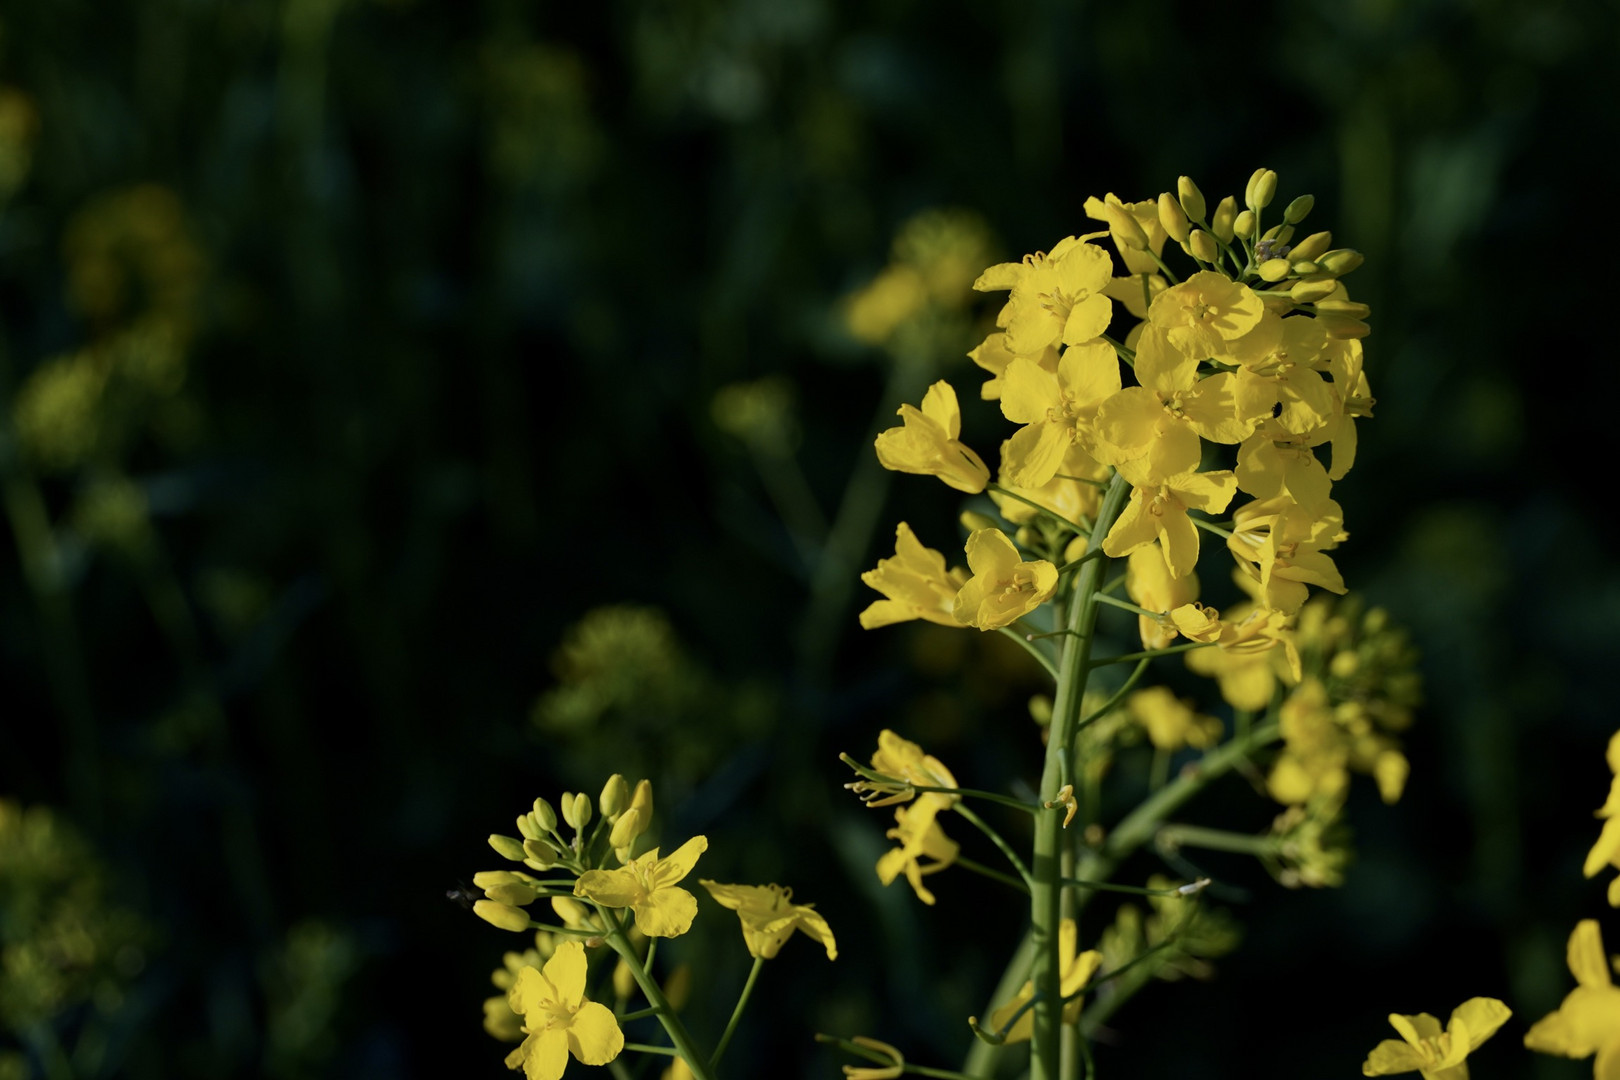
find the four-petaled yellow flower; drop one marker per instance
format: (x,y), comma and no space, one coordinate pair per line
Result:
(927,443)
(1056,297)
(1003,587)
(769,917)
(1588,1021)
(1074,972)
(915,583)
(905,760)
(1206,312)
(557,1019)
(647,886)
(1057,408)
(1158,511)
(1437,1054)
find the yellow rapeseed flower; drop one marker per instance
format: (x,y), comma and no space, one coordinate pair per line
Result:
(1158,511)
(1003,587)
(927,443)
(1170,722)
(1438,1055)
(1158,424)
(914,583)
(1205,313)
(558,1020)
(1057,408)
(1150,585)
(1588,1021)
(920,838)
(1056,297)
(769,917)
(647,886)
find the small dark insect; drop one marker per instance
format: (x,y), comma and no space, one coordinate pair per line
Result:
(463,894)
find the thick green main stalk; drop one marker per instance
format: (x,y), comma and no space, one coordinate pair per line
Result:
(1046,891)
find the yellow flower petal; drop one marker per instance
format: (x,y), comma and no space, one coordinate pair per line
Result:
(1392,1056)
(594,1036)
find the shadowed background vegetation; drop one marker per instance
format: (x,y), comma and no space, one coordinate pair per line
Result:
(353,351)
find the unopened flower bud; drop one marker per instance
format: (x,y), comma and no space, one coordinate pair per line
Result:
(1243,225)
(1350,309)
(1192,200)
(1310,290)
(1026,537)
(973,521)
(1340,261)
(540,851)
(1203,246)
(576,810)
(544,815)
(529,827)
(1279,235)
(489,879)
(1341,328)
(515,895)
(626,829)
(1298,209)
(614,798)
(1040,709)
(642,801)
(1173,217)
(1275,269)
(1310,247)
(507,847)
(1261,190)
(504,916)
(1225,220)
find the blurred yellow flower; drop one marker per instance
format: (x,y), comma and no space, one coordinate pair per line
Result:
(1588,1021)
(1074,973)
(1437,1054)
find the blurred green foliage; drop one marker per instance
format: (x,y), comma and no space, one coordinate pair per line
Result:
(351,351)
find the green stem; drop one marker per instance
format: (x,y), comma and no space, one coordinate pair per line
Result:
(1094,553)
(1046,892)
(1160,772)
(736,1014)
(1169,273)
(1210,526)
(1214,839)
(649,1048)
(996,839)
(994,875)
(1134,890)
(981,1056)
(1119,695)
(1029,647)
(673,1027)
(1151,653)
(1126,605)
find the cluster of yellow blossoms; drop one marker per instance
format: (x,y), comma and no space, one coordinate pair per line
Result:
(591,879)
(1258,349)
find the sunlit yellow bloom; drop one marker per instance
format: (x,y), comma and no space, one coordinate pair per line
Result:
(1206,312)
(927,443)
(1278,373)
(914,582)
(1057,408)
(1283,547)
(993,355)
(648,886)
(1139,220)
(1056,297)
(1150,585)
(558,1020)
(1588,1021)
(1274,460)
(1158,423)
(769,917)
(1074,972)
(920,838)
(1158,511)
(1170,721)
(1003,587)
(1437,1054)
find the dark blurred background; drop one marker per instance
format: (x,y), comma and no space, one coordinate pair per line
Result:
(353,352)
